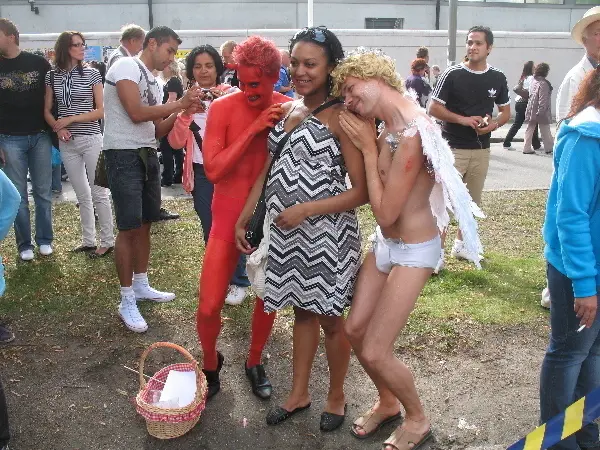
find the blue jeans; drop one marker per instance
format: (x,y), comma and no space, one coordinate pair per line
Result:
(571,367)
(203,194)
(33,153)
(57,178)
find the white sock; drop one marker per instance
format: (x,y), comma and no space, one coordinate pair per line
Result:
(127,291)
(458,242)
(140,278)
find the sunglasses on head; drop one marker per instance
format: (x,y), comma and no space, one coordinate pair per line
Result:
(316,34)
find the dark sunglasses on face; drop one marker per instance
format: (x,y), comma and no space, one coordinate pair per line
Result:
(316,34)
(79,44)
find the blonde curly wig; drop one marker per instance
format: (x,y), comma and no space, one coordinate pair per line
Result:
(365,64)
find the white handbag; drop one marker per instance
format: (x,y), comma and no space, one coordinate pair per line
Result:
(256,264)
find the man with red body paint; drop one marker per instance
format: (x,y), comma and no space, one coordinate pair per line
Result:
(235,151)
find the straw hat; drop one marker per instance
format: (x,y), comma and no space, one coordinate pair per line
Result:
(591,15)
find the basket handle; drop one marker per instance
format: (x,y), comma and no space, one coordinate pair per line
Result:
(180,349)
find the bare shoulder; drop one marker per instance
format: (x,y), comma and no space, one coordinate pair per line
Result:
(287,106)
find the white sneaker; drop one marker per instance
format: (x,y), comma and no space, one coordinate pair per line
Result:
(460,252)
(545,298)
(440,264)
(235,295)
(145,292)
(27,255)
(45,250)
(510,148)
(131,315)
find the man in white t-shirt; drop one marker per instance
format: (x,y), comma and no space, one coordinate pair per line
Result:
(587,33)
(133,116)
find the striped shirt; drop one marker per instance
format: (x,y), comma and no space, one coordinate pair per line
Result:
(74,95)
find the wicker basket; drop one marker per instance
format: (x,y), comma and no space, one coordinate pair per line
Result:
(169,423)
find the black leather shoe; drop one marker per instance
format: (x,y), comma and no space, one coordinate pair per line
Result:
(330,421)
(212,377)
(261,386)
(166,215)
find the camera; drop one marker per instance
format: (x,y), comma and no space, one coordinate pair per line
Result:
(208,95)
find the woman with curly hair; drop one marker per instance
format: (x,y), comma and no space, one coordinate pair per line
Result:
(314,243)
(412,184)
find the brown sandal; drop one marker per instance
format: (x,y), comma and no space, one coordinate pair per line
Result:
(371,422)
(405,440)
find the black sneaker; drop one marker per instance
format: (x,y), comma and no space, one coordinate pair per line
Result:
(166,215)
(6,336)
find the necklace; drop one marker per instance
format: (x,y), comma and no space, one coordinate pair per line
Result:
(393,138)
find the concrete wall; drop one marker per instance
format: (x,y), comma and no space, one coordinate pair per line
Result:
(97,15)
(510,51)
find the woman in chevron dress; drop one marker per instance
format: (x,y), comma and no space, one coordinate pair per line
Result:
(314,243)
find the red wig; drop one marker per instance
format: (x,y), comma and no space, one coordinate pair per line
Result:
(259,52)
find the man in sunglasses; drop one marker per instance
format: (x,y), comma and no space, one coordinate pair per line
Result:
(234,152)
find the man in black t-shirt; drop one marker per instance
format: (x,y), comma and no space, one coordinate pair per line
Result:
(24,141)
(464,100)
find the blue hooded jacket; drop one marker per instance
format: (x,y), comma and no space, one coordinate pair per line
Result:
(9,205)
(572,226)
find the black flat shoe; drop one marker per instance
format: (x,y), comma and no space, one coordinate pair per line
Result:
(330,421)
(261,386)
(167,215)
(84,248)
(278,415)
(95,255)
(212,377)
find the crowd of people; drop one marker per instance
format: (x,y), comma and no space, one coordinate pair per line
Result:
(307,135)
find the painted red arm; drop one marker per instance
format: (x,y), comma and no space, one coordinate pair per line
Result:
(219,160)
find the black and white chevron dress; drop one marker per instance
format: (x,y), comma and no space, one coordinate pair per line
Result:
(313,266)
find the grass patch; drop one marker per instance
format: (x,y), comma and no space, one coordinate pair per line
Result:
(68,286)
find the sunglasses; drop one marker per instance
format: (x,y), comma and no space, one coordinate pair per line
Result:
(79,44)
(317,34)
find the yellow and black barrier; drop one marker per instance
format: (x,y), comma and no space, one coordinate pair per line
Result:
(574,418)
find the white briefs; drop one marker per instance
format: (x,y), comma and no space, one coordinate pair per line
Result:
(394,252)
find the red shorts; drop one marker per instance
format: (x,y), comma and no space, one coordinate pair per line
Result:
(225,213)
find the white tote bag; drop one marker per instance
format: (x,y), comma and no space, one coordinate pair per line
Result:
(256,264)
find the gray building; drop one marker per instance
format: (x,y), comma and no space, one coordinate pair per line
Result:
(51,16)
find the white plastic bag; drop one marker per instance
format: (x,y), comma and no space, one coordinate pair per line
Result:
(256,264)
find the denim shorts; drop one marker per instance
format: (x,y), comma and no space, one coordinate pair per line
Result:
(134,183)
